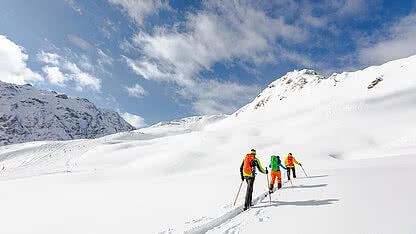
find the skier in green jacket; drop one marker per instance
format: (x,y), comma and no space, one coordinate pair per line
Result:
(275,164)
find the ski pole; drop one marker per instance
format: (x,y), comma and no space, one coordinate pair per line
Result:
(268,189)
(235,200)
(303,170)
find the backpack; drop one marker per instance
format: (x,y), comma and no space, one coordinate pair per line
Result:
(274,162)
(290,161)
(249,163)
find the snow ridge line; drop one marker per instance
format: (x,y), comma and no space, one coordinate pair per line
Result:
(225,217)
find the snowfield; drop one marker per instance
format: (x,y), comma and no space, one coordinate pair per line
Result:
(355,134)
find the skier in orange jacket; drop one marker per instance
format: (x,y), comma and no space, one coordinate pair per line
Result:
(248,173)
(290,164)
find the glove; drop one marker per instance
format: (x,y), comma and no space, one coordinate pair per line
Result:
(267,172)
(300,164)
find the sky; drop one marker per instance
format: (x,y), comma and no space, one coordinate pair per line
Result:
(160,60)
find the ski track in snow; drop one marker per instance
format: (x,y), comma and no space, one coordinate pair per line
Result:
(235,224)
(232,214)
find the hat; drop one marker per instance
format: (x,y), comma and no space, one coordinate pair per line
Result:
(253,151)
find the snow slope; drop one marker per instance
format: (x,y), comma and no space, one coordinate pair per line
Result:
(357,144)
(30,114)
(185,125)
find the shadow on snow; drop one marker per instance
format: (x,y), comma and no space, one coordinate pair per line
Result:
(298,203)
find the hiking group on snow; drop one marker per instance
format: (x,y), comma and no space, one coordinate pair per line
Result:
(248,173)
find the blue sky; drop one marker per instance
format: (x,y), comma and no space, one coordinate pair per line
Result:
(156,60)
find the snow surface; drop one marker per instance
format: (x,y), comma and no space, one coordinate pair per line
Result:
(357,144)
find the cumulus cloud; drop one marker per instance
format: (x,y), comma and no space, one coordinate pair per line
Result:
(136,91)
(138,10)
(84,79)
(398,42)
(13,68)
(134,120)
(54,75)
(224,32)
(60,70)
(49,58)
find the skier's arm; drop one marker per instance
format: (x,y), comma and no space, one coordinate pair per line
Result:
(285,161)
(260,167)
(241,169)
(294,160)
(280,164)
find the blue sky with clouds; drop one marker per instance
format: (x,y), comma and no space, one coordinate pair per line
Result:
(157,60)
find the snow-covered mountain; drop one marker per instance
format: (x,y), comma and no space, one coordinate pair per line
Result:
(30,114)
(284,87)
(354,133)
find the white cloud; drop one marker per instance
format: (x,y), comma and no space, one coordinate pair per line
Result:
(399,42)
(82,78)
(81,43)
(146,69)
(103,58)
(74,6)
(223,32)
(54,75)
(109,28)
(348,7)
(138,10)
(135,120)
(13,68)
(60,70)
(49,58)
(136,91)
(85,63)
(126,46)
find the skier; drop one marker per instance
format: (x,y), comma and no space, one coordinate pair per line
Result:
(289,162)
(275,164)
(248,173)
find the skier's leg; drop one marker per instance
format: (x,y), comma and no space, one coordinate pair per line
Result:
(251,189)
(288,173)
(294,172)
(247,199)
(273,174)
(279,179)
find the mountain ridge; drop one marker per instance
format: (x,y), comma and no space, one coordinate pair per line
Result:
(31,114)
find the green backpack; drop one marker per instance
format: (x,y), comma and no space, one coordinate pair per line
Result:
(274,162)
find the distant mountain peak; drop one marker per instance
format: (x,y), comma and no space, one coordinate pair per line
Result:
(284,87)
(30,114)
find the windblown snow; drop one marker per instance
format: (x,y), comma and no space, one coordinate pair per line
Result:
(354,133)
(30,114)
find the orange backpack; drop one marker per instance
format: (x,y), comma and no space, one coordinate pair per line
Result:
(247,164)
(290,161)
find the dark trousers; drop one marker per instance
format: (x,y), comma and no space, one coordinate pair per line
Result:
(288,172)
(249,193)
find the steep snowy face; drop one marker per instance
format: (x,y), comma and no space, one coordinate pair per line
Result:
(284,87)
(30,114)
